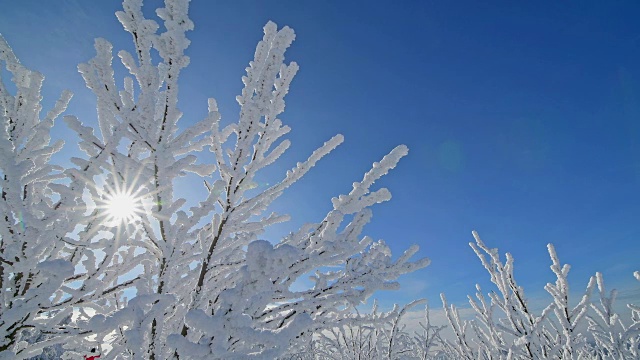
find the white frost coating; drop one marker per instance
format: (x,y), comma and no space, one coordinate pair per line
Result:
(206,286)
(357,198)
(42,276)
(506,327)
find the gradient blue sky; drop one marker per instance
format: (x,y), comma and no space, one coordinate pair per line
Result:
(522,119)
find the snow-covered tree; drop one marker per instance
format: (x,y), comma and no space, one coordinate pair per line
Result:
(50,266)
(211,287)
(206,285)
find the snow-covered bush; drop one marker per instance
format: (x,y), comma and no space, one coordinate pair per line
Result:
(504,325)
(373,335)
(205,284)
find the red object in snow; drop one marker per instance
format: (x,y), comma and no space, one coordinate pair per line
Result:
(92,357)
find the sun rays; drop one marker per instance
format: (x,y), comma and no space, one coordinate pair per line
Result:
(122,207)
(121,199)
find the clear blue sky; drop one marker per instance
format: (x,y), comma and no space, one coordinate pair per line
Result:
(522,118)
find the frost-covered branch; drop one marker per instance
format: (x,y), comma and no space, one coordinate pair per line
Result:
(210,286)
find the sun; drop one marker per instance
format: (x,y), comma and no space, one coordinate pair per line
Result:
(122,206)
(120,198)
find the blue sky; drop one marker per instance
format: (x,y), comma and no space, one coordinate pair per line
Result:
(522,119)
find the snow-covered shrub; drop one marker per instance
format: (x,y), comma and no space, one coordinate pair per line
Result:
(505,326)
(376,335)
